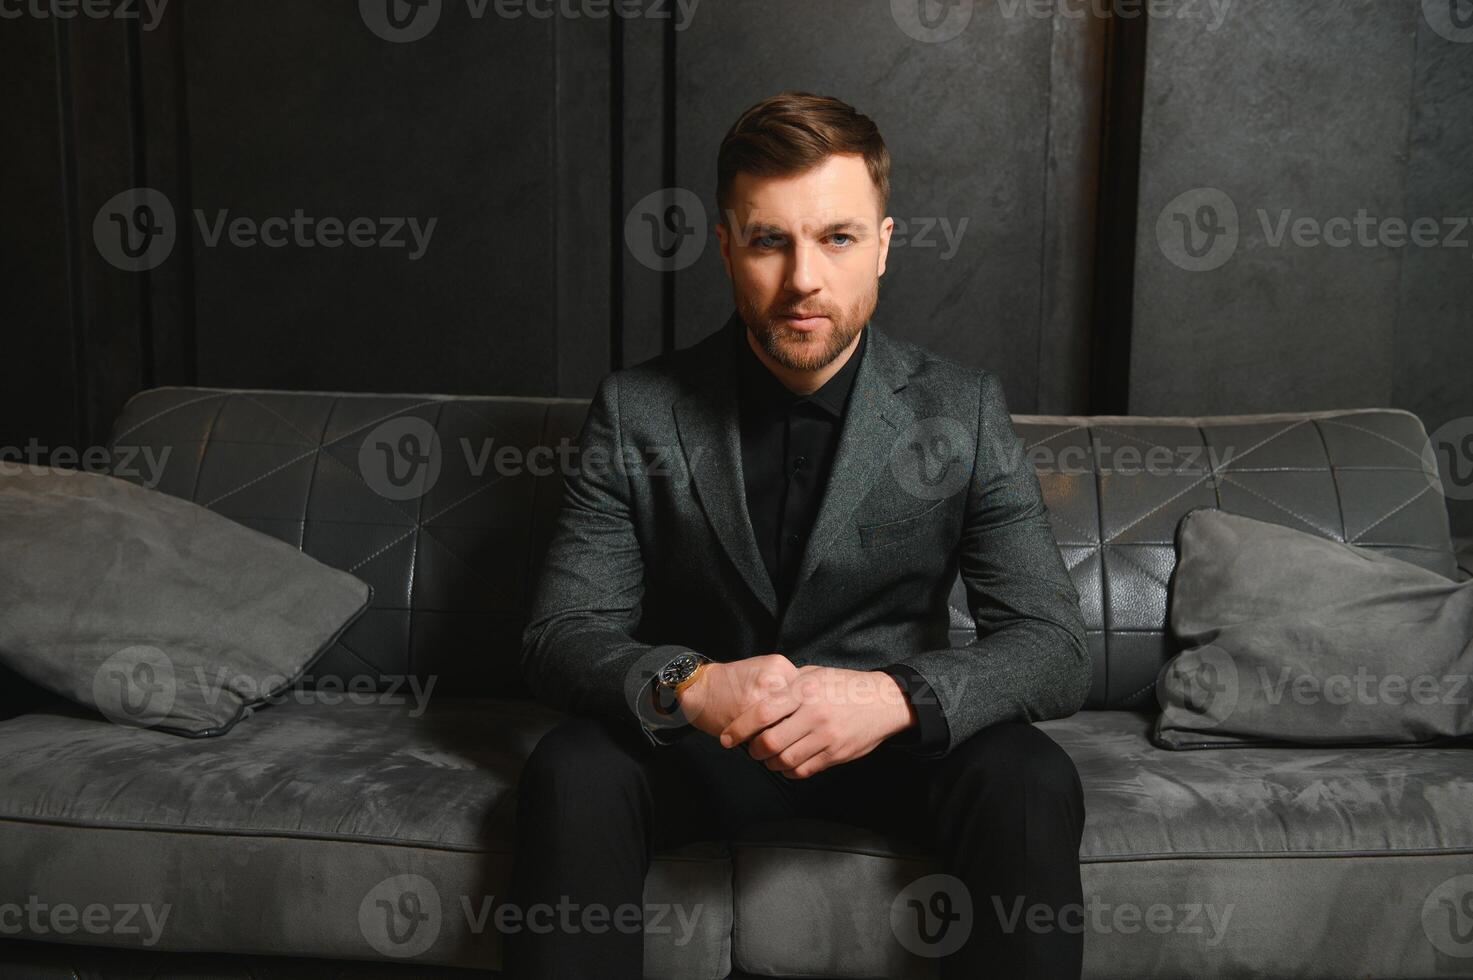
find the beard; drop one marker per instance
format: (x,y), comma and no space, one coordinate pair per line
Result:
(798,350)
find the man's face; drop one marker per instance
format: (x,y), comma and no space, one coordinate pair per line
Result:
(812,244)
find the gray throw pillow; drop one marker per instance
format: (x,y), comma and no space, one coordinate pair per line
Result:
(1291,638)
(154,610)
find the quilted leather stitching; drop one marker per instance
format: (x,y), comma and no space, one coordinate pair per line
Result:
(1208,475)
(1319,430)
(1327,532)
(1359,428)
(321,445)
(1386,516)
(147,418)
(224,395)
(1056,435)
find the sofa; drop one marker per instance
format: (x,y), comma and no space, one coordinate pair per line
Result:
(364,825)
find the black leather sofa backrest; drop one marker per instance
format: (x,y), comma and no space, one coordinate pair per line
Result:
(450,543)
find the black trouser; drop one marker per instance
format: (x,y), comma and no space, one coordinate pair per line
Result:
(1003,812)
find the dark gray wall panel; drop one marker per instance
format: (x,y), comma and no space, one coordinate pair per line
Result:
(39,397)
(580,204)
(163,136)
(1070,215)
(532,141)
(296,105)
(100,124)
(967,122)
(1298,106)
(643,122)
(1434,322)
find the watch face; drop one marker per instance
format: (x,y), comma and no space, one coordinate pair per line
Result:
(678,669)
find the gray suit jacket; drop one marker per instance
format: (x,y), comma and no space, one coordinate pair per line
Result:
(653,547)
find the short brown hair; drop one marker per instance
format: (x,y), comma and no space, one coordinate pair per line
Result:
(795,131)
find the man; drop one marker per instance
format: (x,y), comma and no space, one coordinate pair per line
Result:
(745,600)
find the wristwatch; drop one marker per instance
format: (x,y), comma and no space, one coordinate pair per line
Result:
(673,678)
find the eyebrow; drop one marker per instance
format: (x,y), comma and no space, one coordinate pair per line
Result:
(833,227)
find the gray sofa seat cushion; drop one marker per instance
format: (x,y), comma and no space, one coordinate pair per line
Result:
(338,772)
(1321,862)
(1324,859)
(1144,802)
(283,837)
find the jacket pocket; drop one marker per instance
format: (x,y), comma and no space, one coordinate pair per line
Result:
(892,532)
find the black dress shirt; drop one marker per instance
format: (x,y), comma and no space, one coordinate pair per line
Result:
(788,446)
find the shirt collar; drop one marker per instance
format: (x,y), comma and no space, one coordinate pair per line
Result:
(762,390)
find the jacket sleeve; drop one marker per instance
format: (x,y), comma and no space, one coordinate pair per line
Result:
(928,737)
(1029,661)
(578,653)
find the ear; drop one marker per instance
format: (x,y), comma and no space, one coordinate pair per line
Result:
(723,237)
(887,227)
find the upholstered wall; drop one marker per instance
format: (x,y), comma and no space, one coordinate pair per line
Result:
(1048,159)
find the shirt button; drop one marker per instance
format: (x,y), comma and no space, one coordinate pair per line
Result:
(799,463)
(792,539)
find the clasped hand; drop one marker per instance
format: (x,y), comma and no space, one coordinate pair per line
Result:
(796,720)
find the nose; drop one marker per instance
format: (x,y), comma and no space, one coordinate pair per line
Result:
(803,277)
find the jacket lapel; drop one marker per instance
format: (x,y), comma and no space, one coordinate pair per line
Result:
(709,427)
(708,423)
(874,419)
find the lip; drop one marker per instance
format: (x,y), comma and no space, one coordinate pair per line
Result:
(804,322)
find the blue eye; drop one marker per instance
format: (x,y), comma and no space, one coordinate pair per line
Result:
(766,241)
(844,235)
